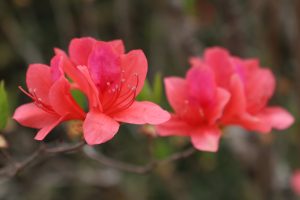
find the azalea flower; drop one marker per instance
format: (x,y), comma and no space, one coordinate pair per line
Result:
(251,87)
(52,100)
(111,79)
(221,90)
(198,104)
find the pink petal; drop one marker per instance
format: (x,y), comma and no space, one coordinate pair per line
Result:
(31,116)
(237,103)
(56,67)
(254,123)
(195,61)
(277,117)
(134,66)
(80,49)
(143,112)
(38,79)
(259,88)
(251,64)
(219,60)
(222,98)
(81,78)
(99,128)
(62,101)
(175,126)
(118,46)
(235,111)
(45,130)
(91,91)
(176,91)
(206,138)
(201,86)
(104,65)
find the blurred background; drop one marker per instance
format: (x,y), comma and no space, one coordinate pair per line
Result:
(248,166)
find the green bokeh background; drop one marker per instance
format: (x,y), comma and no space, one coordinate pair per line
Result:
(248,166)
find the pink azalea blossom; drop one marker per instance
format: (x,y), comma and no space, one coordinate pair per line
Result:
(251,87)
(220,90)
(111,80)
(52,100)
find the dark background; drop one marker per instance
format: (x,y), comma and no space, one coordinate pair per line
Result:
(248,166)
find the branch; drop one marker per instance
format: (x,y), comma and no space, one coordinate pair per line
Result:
(16,167)
(138,169)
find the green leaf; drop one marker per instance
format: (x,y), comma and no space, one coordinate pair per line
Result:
(146,93)
(157,88)
(3,106)
(79,98)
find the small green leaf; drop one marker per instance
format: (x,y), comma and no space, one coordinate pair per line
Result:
(146,93)
(79,98)
(3,106)
(157,88)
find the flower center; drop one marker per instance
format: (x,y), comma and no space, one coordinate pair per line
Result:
(120,96)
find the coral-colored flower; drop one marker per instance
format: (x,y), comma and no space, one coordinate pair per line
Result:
(198,103)
(295,182)
(221,90)
(251,87)
(52,100)
(111,79)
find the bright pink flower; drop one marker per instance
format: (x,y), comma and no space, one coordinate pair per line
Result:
(295,182)
(198,103)
(221,90)
(111,80)
(52,100)
(251,87)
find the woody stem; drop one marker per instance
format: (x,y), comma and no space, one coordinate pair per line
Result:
(15,167)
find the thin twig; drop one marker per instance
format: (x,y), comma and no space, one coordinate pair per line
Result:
(16,167)
(65,149)
(139,169)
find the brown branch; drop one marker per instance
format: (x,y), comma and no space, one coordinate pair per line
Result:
(17,166)
(139,169)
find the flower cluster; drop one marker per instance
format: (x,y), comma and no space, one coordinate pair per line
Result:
(219,90)
(110,79)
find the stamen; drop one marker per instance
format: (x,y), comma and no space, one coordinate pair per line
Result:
(119,100)
(27,93)
(37,101)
